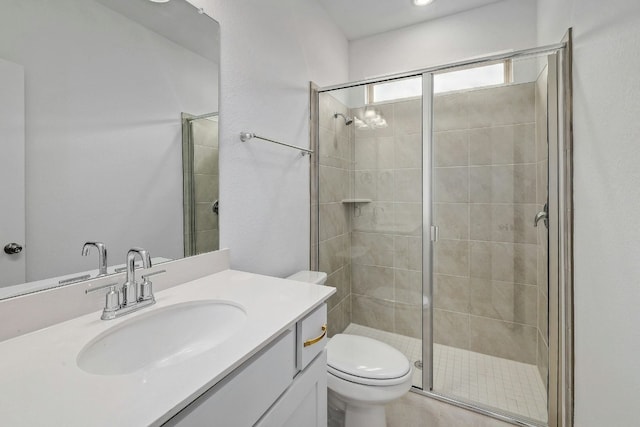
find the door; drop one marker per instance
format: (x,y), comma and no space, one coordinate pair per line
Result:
(12,164)
(489,140)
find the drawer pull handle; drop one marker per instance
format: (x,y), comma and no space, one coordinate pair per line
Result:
(307,343)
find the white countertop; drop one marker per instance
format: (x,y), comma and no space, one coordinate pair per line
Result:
(40,383)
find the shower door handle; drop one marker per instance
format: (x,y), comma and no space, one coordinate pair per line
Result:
(542,215)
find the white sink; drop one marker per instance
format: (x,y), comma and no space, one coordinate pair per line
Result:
(162,337)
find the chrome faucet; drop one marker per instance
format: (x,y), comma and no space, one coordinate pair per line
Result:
(132,295)
(130,288)
(102,255)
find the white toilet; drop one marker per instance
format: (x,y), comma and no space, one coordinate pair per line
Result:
(363,374)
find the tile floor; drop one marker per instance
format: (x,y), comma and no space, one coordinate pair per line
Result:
(498,383)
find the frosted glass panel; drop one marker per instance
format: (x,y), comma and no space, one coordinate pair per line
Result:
(406,88)
(489,75)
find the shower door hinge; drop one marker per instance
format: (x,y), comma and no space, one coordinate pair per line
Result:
(435,231)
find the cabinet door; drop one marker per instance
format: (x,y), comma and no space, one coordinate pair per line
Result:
(304,404)
(243,397)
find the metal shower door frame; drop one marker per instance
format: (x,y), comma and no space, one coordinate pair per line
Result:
(429,231)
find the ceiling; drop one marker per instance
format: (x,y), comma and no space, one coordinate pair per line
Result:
(361,18)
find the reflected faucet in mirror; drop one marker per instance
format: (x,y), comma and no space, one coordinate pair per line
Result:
(102,255)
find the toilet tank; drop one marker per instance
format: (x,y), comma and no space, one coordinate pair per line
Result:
(317,277)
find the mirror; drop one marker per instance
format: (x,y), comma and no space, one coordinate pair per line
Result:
(108,133)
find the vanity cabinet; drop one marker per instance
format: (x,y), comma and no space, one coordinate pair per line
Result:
(285,384)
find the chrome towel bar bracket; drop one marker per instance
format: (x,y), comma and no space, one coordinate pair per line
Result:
(245,136)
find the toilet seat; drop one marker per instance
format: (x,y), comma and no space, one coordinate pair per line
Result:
(365,361)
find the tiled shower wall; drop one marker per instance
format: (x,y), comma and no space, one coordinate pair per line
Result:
(386,244)
(487,295)
(542,168)
(335,154)
(485,290)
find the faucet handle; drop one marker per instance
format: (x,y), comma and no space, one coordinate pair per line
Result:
(98,288)
(146,288)
(153,273)
(112,299)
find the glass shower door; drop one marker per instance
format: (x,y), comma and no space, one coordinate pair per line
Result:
(489,277)
(370,211)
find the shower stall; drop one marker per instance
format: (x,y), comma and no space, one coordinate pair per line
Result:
(200,178)
(435,214)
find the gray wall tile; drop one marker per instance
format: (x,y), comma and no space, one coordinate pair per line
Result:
(503,222)
(340,280)
(451,328)
(451,184)
(451,112)
(452,257)
(372,312)
(451,148)
(408,286)
(333,220)
(339,317)
(408,151)
(372,281)
(407,117)
(504,301)
(451,293)
(452,220)
(407,185)
(543,361)
(372,249)
(408,320)
(334,253)
(503,105)
(502,145)
(408,218)
(503,339)
(334,186)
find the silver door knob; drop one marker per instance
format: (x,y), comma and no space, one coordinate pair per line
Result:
(12,248)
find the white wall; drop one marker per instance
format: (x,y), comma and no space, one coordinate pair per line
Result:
(270,51)
(117,144)
(506,25)
(607,202)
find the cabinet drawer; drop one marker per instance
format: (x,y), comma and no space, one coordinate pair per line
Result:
(311,336)
(242,397)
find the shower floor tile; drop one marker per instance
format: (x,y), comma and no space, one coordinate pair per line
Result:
(502,384)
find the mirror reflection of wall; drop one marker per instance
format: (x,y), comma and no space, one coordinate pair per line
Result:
(105,83)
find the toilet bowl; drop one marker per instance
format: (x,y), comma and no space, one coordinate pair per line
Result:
(362,374)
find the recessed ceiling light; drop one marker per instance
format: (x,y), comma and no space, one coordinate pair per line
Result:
(160,1)
(422,2)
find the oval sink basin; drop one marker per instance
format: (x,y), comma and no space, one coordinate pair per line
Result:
(162,337)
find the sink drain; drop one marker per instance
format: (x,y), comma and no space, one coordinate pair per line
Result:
(418,364)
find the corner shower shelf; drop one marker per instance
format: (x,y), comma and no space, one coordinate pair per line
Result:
(356,200)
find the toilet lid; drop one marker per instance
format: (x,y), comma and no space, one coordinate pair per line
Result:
(365,360)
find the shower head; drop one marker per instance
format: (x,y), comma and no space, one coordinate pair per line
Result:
(347,120)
